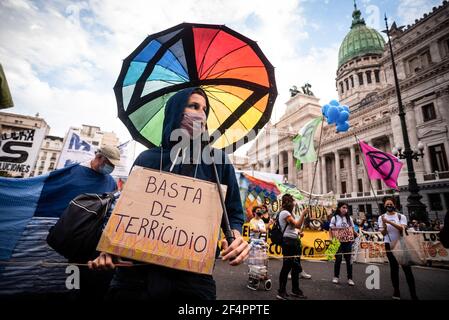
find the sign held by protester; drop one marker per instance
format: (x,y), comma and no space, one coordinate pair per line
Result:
(165,219)
(75,150)
(19,150)
(343,234)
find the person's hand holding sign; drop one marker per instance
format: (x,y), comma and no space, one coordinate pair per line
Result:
(105,261)
(237,252)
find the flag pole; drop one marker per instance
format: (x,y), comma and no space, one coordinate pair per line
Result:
(316,162)
(366,169)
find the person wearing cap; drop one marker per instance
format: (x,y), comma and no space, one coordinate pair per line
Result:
(106,158)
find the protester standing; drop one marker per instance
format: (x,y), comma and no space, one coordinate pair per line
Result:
(291,248)
(341,219)
(392,225)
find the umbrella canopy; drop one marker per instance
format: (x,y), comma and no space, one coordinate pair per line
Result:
(231,69)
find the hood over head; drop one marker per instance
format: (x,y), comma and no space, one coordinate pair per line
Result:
(173,114)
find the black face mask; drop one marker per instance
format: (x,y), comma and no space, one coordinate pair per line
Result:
(390,208)
(266,220)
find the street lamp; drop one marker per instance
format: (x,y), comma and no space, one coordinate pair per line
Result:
(416,154)
(416,209)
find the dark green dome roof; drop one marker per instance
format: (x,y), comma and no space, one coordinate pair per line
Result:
(360,41)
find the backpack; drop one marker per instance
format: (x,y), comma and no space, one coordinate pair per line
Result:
(276,234)
(78,230)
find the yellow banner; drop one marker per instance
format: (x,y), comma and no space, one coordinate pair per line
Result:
(313,244)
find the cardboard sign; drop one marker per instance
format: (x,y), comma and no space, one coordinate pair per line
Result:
(343,234)
(165,219)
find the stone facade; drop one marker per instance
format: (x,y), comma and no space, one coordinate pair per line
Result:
(366,84)
(48,155)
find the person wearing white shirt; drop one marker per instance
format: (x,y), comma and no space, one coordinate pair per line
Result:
(291,248)
(341,219)
(391,225)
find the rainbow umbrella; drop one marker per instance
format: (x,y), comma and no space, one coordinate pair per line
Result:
(232,70)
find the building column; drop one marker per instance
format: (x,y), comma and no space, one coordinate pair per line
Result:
(281,163)
(291,167)
(410,117)
(323,175)
(272,164)
(318,178)
(353,169)
(337,173)
(373,182)
(391,140)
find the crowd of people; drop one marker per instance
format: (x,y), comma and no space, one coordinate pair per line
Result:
(391,224)
(156,282)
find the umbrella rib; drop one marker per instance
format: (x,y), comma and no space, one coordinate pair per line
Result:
(140,83)
(221,81)
(221,58)
(232,113)
(177,59)
(205,53)
(226,70)
(256,96)
(217,99)
(216,117)
(223,90)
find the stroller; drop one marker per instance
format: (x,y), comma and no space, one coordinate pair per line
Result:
(258,265)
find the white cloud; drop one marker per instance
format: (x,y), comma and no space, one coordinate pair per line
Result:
(62,58)
(409,10)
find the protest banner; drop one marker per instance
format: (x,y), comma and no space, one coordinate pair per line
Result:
(19,151)
(75,150)
(313,244)
(432,248)
(343,234)
(371,248)
(165,219)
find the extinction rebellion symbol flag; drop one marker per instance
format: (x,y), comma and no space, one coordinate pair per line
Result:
(381,165)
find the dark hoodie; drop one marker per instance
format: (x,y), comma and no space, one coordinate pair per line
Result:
(152,159)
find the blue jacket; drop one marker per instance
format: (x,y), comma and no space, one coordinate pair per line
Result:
(152,159)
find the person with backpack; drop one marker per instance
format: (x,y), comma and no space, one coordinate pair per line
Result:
(341,219)
(291,248)
(391,225)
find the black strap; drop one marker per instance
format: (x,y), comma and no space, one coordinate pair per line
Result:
(286,223)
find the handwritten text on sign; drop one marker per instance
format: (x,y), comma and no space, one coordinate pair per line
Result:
(343,234)
(165,219)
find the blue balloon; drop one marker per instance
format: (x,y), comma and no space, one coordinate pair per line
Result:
(346,108)
(334,103)
(344,116)
(324,109)
(332,114)
(343,127)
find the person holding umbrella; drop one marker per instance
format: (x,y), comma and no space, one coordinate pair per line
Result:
(183,110)
(205,81)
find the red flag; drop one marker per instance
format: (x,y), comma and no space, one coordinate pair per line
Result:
(381,165)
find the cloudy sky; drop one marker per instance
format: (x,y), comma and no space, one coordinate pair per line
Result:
(62,58)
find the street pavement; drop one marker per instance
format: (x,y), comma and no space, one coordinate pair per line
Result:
(431,283)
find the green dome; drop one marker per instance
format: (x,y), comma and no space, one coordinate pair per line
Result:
(360,41)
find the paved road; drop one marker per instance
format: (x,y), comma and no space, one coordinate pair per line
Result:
(431,283)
